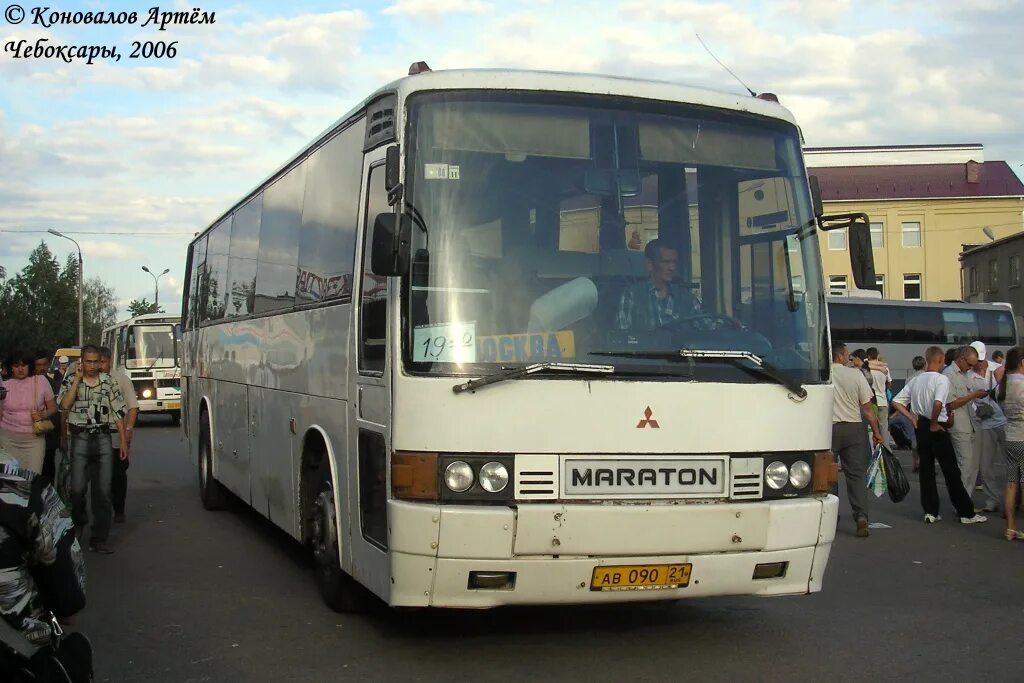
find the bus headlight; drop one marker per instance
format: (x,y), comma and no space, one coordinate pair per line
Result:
(493,477)
(147,393)
(458,476)
(776,475)
(800,474)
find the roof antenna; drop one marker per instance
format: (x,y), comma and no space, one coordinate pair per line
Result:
(752,93)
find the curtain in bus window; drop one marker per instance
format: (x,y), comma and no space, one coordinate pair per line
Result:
(216,271)
(245,243)
(279,241)
(328,241)
(924,325)
(961,327)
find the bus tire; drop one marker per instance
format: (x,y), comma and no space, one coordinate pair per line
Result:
(176,417)
(211,492)
(338,590)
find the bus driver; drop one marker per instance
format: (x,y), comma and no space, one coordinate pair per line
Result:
(657,301)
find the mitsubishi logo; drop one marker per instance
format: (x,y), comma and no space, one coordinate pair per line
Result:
(647,421)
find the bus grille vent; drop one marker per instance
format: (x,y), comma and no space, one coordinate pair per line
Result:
(536,477)
(747,478)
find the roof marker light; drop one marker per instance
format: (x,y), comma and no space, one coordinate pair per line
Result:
(767,97)
(418,68)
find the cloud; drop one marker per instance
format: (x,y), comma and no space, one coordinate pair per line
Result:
(437,8)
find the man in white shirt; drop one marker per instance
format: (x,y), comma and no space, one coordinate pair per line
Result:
(989,424)
(926,397)
(119,476)
(960,403)
(852,400)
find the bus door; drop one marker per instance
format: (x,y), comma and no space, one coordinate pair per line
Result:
(370,406)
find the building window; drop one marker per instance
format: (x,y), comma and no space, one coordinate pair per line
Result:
(993,275)
(837,240)
(972,280)
(877,235)
(837,283)
(911,234)
(1014,271)
(912,286)
(880,284)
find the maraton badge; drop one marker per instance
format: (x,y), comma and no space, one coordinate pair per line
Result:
(648,421)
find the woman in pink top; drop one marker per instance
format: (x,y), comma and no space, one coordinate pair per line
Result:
(29,398)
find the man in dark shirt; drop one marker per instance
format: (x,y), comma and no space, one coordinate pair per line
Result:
(657,301)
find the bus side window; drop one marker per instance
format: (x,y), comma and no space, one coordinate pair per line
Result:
(374,288)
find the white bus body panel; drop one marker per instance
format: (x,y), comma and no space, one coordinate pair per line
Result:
(601,416)
(430,562)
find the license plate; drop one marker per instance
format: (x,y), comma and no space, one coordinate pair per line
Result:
(640,577)
(173,405)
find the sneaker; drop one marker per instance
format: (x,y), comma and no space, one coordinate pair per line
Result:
(990,508)
(976,519)
(931,519)
(862,527)
(101,547)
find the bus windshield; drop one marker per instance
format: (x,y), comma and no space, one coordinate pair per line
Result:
(151,346)
(585,229)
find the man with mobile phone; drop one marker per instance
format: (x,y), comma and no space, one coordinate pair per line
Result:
(96,408)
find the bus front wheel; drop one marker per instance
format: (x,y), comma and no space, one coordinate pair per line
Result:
(211,492)
(339,590)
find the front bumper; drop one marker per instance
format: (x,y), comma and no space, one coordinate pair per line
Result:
(553,549)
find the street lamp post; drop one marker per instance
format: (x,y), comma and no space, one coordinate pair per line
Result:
(156,284)
(81,292)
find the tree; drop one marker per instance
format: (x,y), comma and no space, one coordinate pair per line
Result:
(100,309)
(39,305)
(137,307)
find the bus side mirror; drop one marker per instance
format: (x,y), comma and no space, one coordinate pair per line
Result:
(862,260)
(389,249)
(819,208)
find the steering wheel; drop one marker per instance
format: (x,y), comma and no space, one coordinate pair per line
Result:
(706,322)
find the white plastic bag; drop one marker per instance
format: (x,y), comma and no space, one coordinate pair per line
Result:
(876,474)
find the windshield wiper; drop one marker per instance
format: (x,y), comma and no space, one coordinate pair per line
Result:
(759,367)
(524,371)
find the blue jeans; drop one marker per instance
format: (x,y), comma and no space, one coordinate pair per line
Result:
(92,462)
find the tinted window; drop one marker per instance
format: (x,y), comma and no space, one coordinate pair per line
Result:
(194,281)
(960,327)
(245,243)
(279,242)
(883,323)
(219,242)
(374,295)
(997,327)
(329,213)
(847,322)
(924,325)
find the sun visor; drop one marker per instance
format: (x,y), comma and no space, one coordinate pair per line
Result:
(700,143)
(480,128)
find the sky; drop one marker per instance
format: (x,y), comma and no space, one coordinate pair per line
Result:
(132,158)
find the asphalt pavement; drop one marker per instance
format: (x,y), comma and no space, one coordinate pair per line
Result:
(191,595)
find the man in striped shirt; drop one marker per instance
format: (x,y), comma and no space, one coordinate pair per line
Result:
(96,409)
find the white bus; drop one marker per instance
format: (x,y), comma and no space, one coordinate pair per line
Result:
(146,349)
(407,347)
(901,330)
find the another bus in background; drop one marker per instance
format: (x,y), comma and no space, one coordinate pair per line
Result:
(904,329)
(146,349)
